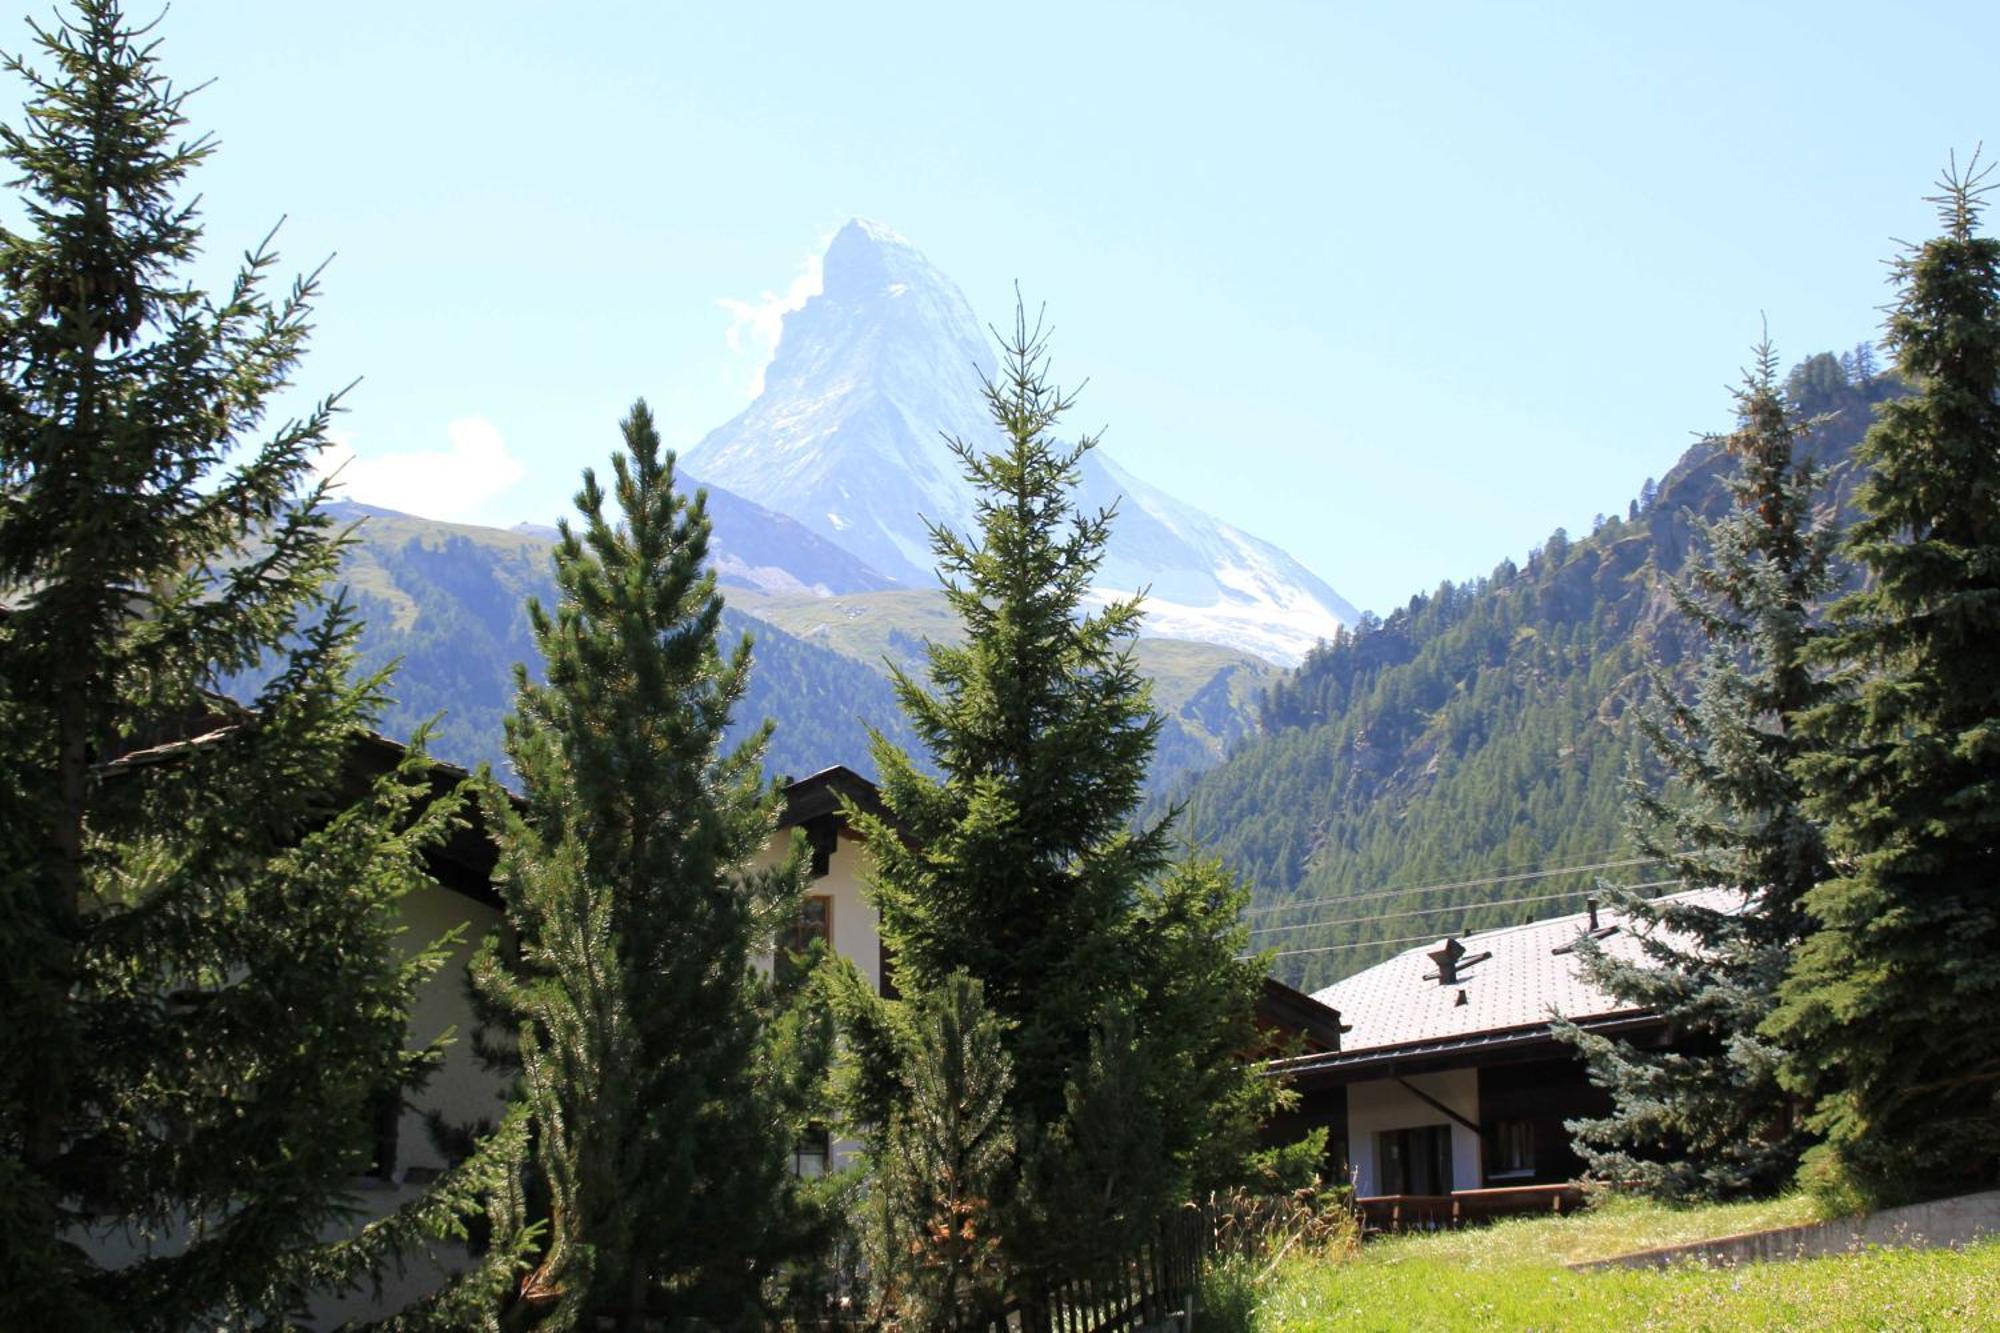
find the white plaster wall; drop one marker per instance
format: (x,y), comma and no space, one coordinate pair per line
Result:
(857,928)
(1383,1104)
(460,1089)
(465,1093)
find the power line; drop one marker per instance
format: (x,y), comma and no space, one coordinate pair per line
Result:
(1487,882)
(1359,944)
(1424,939)
(1451,907)
(1419,911)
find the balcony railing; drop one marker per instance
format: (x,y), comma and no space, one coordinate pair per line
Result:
(1435,1212)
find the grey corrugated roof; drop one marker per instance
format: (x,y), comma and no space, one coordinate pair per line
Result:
(1523,982)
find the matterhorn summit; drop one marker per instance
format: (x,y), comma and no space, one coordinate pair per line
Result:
(868,380)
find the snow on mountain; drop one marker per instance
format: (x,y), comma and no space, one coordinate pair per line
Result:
(848,438)
(757,547)
(844,437)
(1206,580)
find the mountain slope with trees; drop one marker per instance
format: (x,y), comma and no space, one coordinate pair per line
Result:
(1206,693)
(1483,730)
(448,602)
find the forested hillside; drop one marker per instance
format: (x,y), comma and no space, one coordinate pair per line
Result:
(1482,732)
(449,601)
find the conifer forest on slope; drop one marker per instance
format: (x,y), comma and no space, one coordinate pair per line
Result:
(1483,733)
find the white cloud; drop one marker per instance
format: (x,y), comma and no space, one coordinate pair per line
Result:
(755,326)
(449,483)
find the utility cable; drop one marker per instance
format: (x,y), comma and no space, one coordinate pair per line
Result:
(1452,907)
(1423,939)
(1487,882)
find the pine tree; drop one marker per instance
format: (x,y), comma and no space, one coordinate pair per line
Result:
(948,1144)
(200,965)
(1709,1118)
(662,1146)
(1021,865)
(1893,1005)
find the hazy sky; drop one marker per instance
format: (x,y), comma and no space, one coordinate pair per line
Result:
(1399,287)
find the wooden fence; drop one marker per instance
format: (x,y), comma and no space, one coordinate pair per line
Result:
(1148,1287)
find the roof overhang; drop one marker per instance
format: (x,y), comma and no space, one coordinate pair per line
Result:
(1472,1049)
(1281,1007)
(826,793)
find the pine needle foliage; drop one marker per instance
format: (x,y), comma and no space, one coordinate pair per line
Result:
(1112,968)
(662,1145)
(1893,1006)
(949,1143)
(1709,1118)
(204,985)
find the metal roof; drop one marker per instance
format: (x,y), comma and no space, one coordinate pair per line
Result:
(1507,979)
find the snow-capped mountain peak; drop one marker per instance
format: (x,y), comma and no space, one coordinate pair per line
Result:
(848,437)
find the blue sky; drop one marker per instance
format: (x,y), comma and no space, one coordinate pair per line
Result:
(1401,288)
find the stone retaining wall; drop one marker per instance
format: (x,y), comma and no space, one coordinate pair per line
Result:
(1945,1222)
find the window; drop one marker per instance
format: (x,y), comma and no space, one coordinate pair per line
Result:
(811,1155)
(1413,1161)
(814,922)
(1510,1149)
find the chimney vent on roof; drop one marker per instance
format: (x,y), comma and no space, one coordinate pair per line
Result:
(1590,905)
(1446,956)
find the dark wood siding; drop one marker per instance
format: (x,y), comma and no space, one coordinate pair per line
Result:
(1317,1108)
(1542,1093)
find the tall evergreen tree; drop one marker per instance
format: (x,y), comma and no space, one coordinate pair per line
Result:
(1709,1118)
(204,990)
(662,1146)
(1021,867)
(1893,1006)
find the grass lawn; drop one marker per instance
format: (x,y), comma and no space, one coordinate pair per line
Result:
(1511,1276)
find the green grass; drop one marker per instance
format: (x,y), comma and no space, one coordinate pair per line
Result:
(1511,1276)
(1612,1226)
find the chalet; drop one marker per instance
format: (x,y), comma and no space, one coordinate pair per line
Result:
(1446,1097)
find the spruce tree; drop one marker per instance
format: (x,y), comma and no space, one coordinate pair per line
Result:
(662,1144)
(1708,1118)
(1893,1005)
(1020,865)
(204,988)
